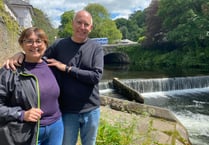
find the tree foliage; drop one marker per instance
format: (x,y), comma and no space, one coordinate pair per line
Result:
(186,21)
(65,29)
(99,15)
(137,25)
(153,23)
(133,27)
(42,21)
(103,25)
(122,24)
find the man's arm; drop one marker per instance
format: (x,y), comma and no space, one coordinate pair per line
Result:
(94,74)
(15,60)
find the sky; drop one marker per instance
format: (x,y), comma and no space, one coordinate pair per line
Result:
(117,9)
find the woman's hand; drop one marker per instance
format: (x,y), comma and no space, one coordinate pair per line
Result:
(32,115)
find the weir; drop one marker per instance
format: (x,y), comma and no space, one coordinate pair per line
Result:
(186,97)
(167,84)
(161,84)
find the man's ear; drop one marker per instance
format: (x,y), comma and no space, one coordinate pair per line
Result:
(91,28)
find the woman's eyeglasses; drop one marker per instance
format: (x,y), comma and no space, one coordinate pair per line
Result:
(31,42)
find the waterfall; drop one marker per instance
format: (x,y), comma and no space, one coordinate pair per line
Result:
(105,87)
(168,84)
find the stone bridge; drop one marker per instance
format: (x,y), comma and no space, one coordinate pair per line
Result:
(113,55)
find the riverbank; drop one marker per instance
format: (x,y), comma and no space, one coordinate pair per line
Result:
(154,125)
(164,58)
(189,105)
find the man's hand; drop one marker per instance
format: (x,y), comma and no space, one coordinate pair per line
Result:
(15,60)
(57,64)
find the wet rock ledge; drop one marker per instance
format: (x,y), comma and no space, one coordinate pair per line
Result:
(152,123)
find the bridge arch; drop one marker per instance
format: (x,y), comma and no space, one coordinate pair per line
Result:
(113,55)
(116,57)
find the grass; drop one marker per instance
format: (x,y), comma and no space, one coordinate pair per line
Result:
(120,131)
(115,134)
(117,128)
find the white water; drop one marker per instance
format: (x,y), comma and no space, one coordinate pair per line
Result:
(190,106)
(186,97)
(197,126)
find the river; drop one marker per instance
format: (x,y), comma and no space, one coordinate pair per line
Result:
(184,92)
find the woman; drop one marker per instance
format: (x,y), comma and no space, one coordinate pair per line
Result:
(29,110)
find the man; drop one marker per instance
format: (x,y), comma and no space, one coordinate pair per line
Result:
(80,64)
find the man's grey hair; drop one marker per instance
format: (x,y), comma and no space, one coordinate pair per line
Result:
(85,12)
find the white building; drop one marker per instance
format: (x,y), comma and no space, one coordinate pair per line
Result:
(22,11)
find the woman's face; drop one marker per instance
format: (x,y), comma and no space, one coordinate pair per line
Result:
(34,48)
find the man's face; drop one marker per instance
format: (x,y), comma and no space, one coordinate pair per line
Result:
(82,26)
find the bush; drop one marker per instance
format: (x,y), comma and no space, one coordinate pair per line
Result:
(115,134)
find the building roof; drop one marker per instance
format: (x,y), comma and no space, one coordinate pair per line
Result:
(20,3)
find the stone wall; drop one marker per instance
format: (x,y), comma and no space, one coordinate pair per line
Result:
(153,123)
(8,42)
(160,125)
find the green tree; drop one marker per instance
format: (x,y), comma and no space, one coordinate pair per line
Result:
(122,24)
(99,15)
(138,17)
(133,30)
(185,22)
(103,25)
(124,31)
(153,22)
(138,25)
(133,27)
(112,32)
(65,29)
(42,21)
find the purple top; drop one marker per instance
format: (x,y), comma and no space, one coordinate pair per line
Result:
(49,92)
